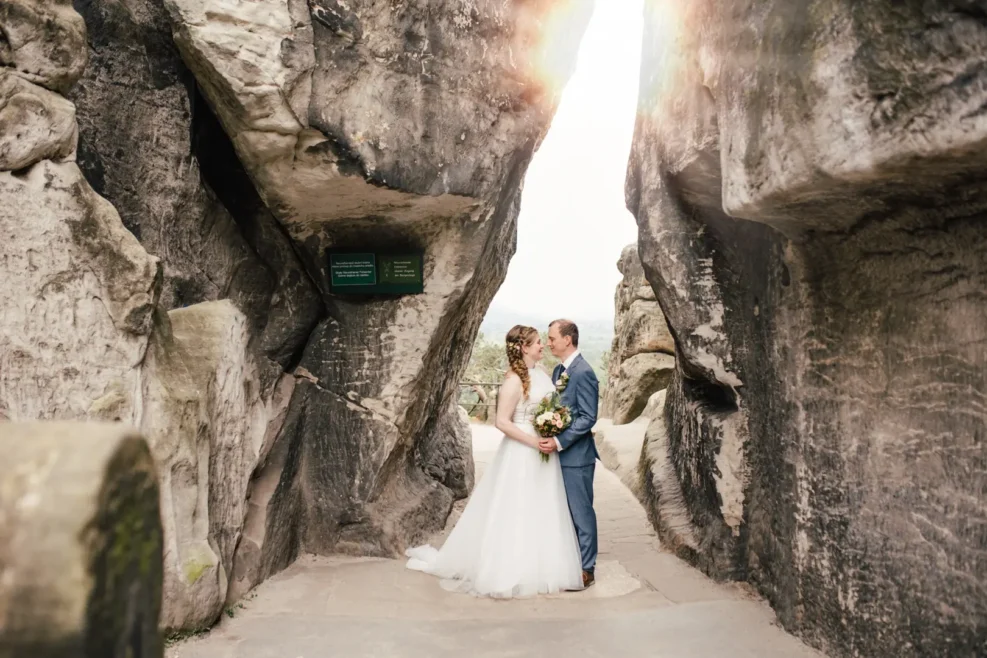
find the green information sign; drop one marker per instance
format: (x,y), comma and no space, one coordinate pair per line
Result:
(376,274)
(352,270)
(401,269)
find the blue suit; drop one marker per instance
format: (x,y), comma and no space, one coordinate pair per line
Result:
(578,456)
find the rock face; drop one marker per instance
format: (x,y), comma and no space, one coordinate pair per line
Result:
(36,124)
(383,129)
(642,356)
(638,378)
(257,137)
(216,372)
(809,183)
(209,422)
(78,301)
(80,542)
(158,190)
(187,199)
(44,42)
(84,335)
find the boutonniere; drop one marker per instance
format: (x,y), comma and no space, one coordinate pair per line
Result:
(562,383)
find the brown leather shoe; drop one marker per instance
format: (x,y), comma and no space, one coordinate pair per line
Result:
(588,579)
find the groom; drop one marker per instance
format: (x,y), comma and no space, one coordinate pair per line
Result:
(577,449)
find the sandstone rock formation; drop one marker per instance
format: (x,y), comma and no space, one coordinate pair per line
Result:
(209,422)
(80,542)
(80,289)
(187,199)
(35,124)
(44,42)
(642,356)
(79,338)
(391,130)
(241,142)
(809,182)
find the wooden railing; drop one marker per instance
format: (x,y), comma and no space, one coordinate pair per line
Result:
(486,402)
(482,386)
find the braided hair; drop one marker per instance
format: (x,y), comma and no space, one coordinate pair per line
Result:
(518,338)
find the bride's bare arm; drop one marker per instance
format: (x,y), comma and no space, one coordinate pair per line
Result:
(507,401)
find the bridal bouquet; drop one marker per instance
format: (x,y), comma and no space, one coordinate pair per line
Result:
(551,418)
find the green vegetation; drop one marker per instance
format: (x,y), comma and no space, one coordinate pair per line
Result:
(181,636)
(488,362)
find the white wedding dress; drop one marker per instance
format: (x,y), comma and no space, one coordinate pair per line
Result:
(515,537)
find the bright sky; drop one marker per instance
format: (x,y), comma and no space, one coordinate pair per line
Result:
(573,222)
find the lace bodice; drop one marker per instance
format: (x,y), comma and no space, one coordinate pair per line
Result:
(541,386)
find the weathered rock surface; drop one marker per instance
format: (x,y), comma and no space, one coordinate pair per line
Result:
(80,542)
(80,290)
(299,88)
(215,373)
(157,189)
(641,327)
(661,490)
(44,41)
(809,186)
(297,128)
(187,199)
(209,422)
(639,377)
(446,454)
(35,124)
(83,335)
(78,297)
(642,354)
(624,450)
(389,129)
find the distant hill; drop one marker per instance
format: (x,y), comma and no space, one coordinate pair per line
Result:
(595,334)
(498,322)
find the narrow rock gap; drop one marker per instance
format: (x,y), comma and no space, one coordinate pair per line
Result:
(222,170)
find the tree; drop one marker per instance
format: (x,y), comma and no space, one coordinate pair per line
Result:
(485,370)
(488,361)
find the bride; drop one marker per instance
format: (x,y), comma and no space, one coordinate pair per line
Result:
(515,537)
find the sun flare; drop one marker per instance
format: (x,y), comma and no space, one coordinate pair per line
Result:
(572,208)
(556,35)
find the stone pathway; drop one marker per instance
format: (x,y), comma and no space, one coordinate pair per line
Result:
(645,603)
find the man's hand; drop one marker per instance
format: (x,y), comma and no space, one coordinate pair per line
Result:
(547,446)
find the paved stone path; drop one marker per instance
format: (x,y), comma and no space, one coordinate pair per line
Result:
(645,603)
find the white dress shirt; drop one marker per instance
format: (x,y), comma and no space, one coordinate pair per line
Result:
(568,361)
(565,365)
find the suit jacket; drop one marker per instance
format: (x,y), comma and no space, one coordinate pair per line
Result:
(581,395)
